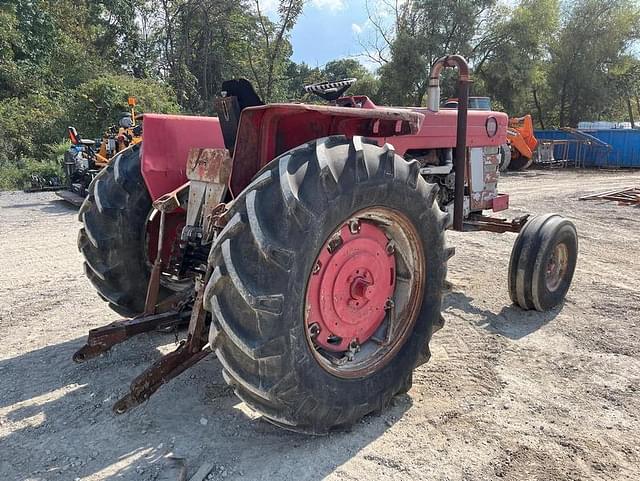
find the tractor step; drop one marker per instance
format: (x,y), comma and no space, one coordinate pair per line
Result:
(70,197)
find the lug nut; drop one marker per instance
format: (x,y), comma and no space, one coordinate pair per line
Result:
(314,330)
(391,248)
(316,268)
(354,347)
(334,243)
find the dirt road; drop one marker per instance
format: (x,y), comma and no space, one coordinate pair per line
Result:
(507,395)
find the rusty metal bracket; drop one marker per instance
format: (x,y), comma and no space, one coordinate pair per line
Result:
(153,288)
(208,171)
(477,222)
(165,205)
(161,372)
(171,200)
(103,338)
(217,220)
(189,352)
(171,312)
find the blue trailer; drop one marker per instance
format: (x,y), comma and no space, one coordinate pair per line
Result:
(617,148)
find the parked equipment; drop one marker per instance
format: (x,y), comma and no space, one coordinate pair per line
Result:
(305,243)
(83,161)
(522,141)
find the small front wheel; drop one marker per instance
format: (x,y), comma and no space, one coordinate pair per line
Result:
(542,262)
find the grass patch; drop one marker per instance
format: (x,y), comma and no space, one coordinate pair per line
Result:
(29,173)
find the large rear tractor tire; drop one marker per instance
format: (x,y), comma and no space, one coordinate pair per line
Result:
(113,236)
(326,283)
(542,263)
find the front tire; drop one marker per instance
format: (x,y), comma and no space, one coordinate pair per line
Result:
(543,260)
(264,259)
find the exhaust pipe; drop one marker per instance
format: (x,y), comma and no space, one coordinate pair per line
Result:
(433,104)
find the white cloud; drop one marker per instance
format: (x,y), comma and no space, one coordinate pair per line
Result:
(355,28)
(269,6)
(330,5)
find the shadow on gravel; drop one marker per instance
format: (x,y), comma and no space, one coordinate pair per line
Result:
(59,206)
(53,206)
(511,322)
(58,422)
(528,173)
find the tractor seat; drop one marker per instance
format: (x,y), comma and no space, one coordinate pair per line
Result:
(76,140)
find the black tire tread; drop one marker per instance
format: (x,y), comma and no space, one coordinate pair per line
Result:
(526,255)
(111,238)
(247,311)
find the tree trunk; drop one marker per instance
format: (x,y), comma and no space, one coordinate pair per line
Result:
(630,107)
(420,93)
(538,108)
(563,102)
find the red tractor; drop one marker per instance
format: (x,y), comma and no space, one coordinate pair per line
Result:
(304,244)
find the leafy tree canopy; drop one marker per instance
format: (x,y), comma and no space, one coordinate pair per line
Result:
(75,62)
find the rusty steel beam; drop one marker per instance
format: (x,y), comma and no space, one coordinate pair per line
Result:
(103,338)
(160,372)
(630,196)
(189,352)
(477,222)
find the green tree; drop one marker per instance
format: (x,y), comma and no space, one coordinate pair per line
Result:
(367,83)
(101,102)
(624,79)
(268,48)
(297,76)
(594,38)
(423,31)
(198,41)
(27,126)
(513,54)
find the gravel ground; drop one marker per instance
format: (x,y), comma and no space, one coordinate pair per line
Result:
(507,395)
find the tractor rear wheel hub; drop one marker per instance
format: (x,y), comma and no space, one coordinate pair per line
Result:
(353,279)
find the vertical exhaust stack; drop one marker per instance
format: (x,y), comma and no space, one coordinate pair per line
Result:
(433,104)
(433,92)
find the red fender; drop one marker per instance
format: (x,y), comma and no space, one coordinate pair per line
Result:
(167,142)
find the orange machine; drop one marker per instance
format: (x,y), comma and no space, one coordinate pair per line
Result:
(522,142)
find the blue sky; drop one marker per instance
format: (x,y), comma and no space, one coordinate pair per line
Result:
(328,30)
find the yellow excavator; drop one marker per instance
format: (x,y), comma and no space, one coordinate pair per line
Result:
(87,157)
(522,142)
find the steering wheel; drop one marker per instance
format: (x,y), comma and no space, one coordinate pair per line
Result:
(330,91)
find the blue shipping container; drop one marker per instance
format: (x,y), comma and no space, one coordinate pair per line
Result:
(624,151)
